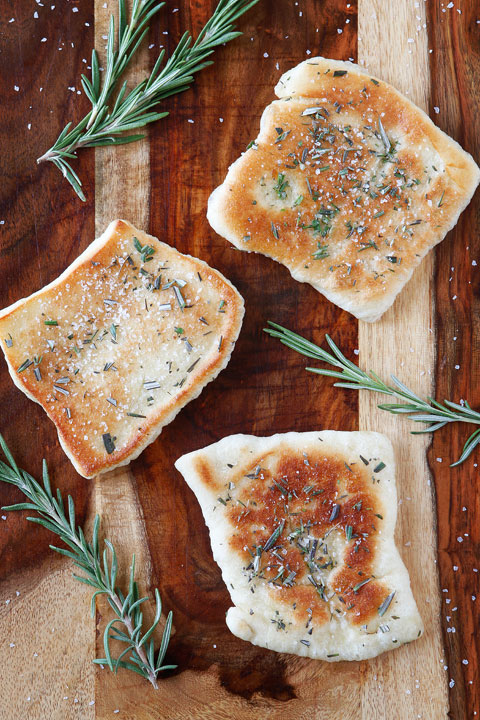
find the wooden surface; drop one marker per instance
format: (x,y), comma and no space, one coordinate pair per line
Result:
(401,343)
(43,229)
(456,94)
(163,184)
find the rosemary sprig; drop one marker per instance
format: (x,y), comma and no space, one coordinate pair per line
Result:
(108,120)
(99,572)
(429,411)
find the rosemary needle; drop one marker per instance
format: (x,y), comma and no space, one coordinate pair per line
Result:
(100,573)
(108,120)
(428,411)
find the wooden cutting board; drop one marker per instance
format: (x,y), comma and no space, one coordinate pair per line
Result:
(47,640)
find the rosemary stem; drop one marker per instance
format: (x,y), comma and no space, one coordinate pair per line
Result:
(111,119)
(434,414)
(98,572)
(47,156)
(139,648)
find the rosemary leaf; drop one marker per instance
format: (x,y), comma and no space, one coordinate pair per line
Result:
(100,572)
(435,414)
(108,120)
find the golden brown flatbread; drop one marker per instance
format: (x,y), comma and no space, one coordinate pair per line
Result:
(348,184)
(302,527)
(120,342)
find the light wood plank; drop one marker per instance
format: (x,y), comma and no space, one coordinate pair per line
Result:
(47,622)
(122,190)
(413,679)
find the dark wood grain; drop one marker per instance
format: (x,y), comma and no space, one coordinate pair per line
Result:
(265,388)
(44,225)
(455,70)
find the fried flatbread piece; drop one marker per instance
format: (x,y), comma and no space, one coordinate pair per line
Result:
(348,184)
(120,342)
(302,527)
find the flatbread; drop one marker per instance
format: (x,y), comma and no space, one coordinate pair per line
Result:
(302,527)
(119,343)
(348,184)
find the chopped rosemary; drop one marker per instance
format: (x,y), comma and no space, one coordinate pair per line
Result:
(335,512)
(273,538)
(180,299)
(26,364)
(281,186)
(386,604)
(386,142)
(282,136)
(108,442)
(321,252)
(146,251)
(361,584)
(151,385)
(369,244)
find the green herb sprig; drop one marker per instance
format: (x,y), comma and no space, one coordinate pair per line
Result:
(429,411)
(99,572)
(108,120)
